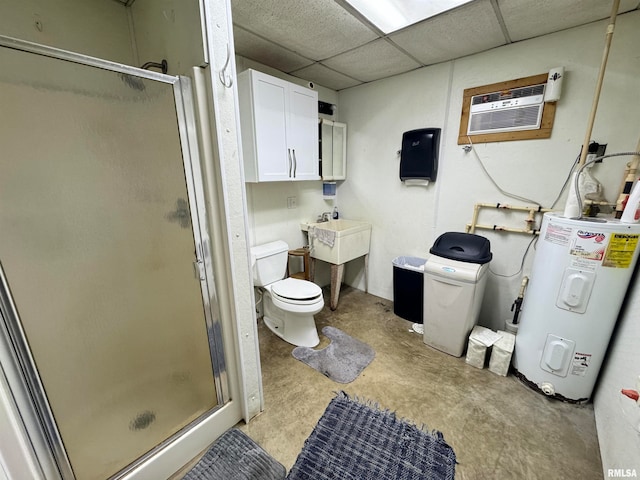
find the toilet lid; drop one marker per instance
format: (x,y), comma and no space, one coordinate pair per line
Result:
(296,289)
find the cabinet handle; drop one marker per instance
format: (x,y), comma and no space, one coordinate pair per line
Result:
(290,161)
(295,163)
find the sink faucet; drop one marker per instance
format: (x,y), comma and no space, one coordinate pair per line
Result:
(325,217)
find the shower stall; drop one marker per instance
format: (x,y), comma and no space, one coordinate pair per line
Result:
(107,298)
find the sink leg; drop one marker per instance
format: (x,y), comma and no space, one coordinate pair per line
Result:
(312,269)
(337,272)
(366,273)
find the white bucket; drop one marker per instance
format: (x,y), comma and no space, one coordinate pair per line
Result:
(511,327)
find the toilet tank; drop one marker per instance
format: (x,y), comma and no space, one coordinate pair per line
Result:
(269,262)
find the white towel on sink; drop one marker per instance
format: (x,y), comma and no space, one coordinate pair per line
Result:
(328,237)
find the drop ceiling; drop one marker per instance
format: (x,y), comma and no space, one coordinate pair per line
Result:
(331,44)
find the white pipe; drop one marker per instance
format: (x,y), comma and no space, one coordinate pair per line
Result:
(572,207)
(603,67)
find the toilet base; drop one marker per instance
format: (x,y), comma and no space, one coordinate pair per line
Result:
(296,329)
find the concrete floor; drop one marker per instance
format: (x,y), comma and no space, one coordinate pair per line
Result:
(498,427)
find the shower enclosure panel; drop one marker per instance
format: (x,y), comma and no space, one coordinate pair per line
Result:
(102,251)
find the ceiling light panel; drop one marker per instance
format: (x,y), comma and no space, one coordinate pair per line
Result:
(392,15)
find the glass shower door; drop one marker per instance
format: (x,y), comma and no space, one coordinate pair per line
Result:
(98,244)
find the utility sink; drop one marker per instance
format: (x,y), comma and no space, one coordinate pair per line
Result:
(352,240)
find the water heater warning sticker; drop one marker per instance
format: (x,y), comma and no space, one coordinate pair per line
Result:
(580,364)
(558,234)
(620,251)
(589,245)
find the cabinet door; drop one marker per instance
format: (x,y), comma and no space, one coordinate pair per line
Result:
(326,134)
(334,150)
(339,153)
(302,132)
(270,111)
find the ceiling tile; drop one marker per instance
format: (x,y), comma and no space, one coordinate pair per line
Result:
(289,34)
(372,61)
(527,19)
(326,77)
(315,29)
(261,50)
(466,30)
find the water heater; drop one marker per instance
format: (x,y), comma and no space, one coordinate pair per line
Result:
(578,281)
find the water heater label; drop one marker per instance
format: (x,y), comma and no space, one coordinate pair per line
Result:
(580,364)
(589,245)
(558,234)
(620,250)
(584,263)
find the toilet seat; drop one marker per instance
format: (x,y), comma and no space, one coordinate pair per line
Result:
(296,292)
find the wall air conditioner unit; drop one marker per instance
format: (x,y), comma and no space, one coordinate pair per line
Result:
(507,111)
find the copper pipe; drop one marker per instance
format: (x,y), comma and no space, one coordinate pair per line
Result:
(604,204)
(630,176)
(506,206)
(500,228)
(474,220)
(471,227)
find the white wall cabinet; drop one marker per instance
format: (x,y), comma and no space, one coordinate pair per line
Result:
(279,127)
(333,149)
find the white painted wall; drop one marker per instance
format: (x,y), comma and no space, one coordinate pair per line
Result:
(617,418)
(402,217)
(407,220)
(92,27)
(168,29)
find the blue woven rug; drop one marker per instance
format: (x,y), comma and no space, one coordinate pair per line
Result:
(235,456)
(354,441)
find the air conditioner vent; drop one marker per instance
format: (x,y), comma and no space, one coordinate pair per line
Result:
(508,94)
(505,120)
(507,111)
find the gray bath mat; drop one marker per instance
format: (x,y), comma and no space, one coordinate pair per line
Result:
(342,361)
(234,456)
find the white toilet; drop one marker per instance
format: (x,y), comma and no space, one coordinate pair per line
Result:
(289,304)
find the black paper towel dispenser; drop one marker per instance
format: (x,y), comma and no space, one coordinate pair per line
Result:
(419,154)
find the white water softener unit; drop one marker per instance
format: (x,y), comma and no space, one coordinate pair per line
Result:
(578,281)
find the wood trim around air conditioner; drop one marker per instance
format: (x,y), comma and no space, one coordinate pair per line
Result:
(546,124)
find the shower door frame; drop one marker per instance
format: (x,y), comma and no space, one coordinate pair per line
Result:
(21,373)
